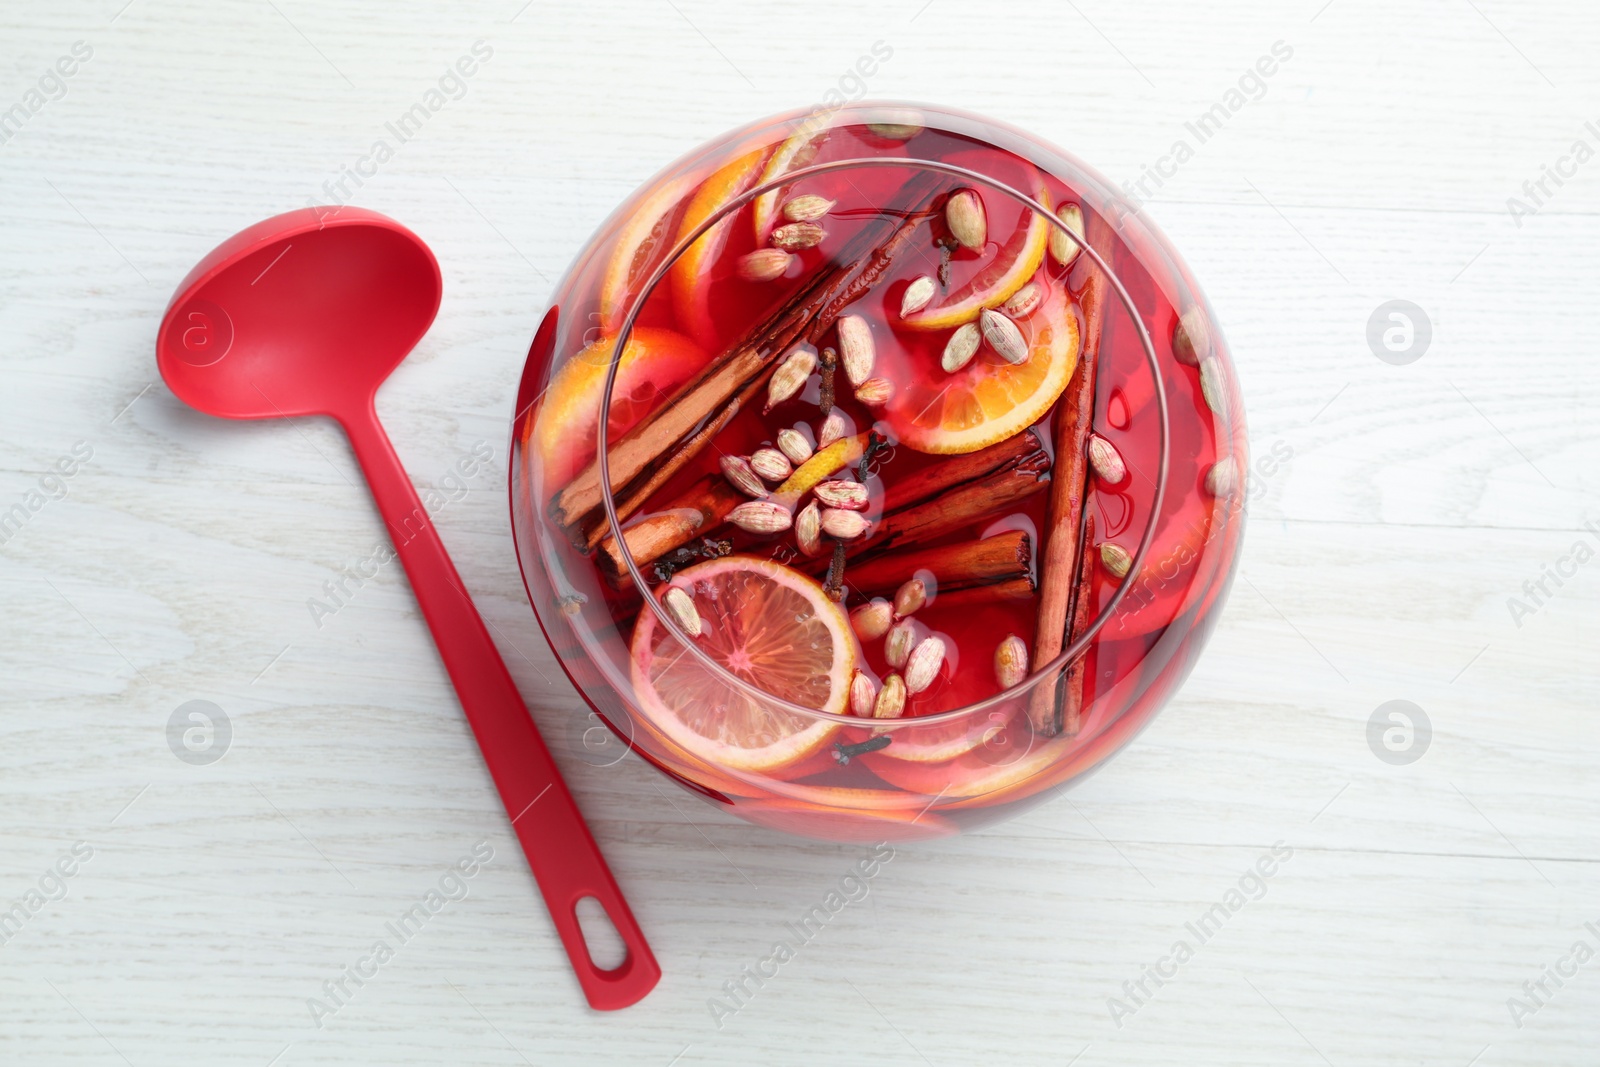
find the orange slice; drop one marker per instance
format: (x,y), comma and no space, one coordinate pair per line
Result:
(989,399)
(1001,763)
(939,742)
(800,150)
(768,624)
(638,248)
(1016,261)
(690,275)
(562,433)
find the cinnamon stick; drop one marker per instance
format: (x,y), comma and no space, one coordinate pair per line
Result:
(1073,421)
(1004,557)
(704,505)
(667,439)
(978,596)
(659,474)
(948,472)
(959,507)
(1069,708)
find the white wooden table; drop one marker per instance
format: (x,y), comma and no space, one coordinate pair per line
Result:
(176,562)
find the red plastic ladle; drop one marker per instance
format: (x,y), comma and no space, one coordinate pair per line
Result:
(306,314)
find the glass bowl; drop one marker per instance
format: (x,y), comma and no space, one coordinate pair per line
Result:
(924,445)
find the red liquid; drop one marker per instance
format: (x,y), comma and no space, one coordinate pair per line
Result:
(981,766)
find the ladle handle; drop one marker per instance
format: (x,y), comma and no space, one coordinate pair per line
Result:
(564,858)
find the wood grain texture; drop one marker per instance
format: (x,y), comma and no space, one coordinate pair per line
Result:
(1378,559)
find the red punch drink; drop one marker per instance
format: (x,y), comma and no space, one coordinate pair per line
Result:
(927,461)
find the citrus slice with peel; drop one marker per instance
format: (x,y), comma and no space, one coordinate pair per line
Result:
(939,742)
(690,275)
(1013,264)
(990,399)
(767,624)
(639,246)
(653,365)
(800,150)
(1002,762)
